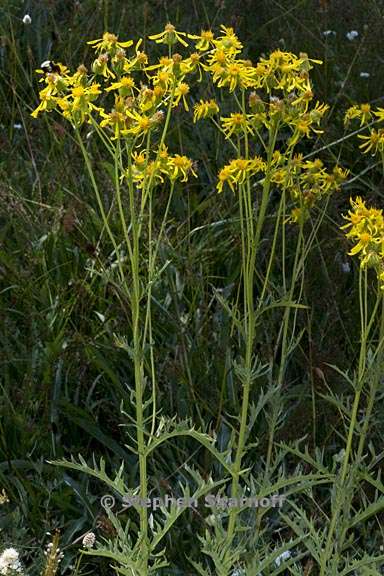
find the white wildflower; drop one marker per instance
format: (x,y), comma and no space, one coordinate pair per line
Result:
(339,457)
(151,522)
(89,540)
(352,35)
(17,126)
(346,267)
(27,19)
(3,497)
(10,562)
(283,556)
(364,74)
(329,33)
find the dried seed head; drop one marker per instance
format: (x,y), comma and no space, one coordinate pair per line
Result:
(157,117)
(89,540)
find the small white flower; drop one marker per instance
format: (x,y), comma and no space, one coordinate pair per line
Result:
(339,457)
(89,540)
(352,35)
(17,126)
(27,19)
(9,562)
(329,33)
(283,556)
(3,497)
(364,74)
(346,267)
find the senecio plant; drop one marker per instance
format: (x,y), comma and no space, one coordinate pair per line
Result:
(264,111)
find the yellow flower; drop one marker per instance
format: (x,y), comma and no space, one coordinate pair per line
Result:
(83,94)
(363,111)
(303,125)
(205,39)
(180,167)
(169,36)
(366,228)
(180,93)
(205,109)
(236,123)
(334,180)
(192,64)
(316,114)
(228,42)
(140,126)
(379,113)
(225,175)
(286,72)
(366,114)
(163,78)
(100,66)
(109,43)
(144,169)
(364,239)
(115,119)
(146,99)
(239,170)
(299,214)
(374,142)
(125,86)
(232,74)
(47,102)
(139,61)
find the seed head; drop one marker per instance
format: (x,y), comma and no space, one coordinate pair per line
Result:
(89,540)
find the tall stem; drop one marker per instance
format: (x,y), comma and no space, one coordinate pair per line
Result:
(284,345)
(340,488)
(138,362)
(251,240)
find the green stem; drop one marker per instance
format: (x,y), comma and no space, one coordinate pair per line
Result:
(100,204)
(284,346)
(375,380)
(249,252)
(340,490)
(138,363)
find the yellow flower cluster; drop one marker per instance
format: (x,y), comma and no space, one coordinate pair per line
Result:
(360,112)
(164,165)
(205,109)
(307,181)
(238,170)
(139,90)
(277,111)
(124,96)
(275,93)
(374,141)
(366,229)
(127,97)
(282,71)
